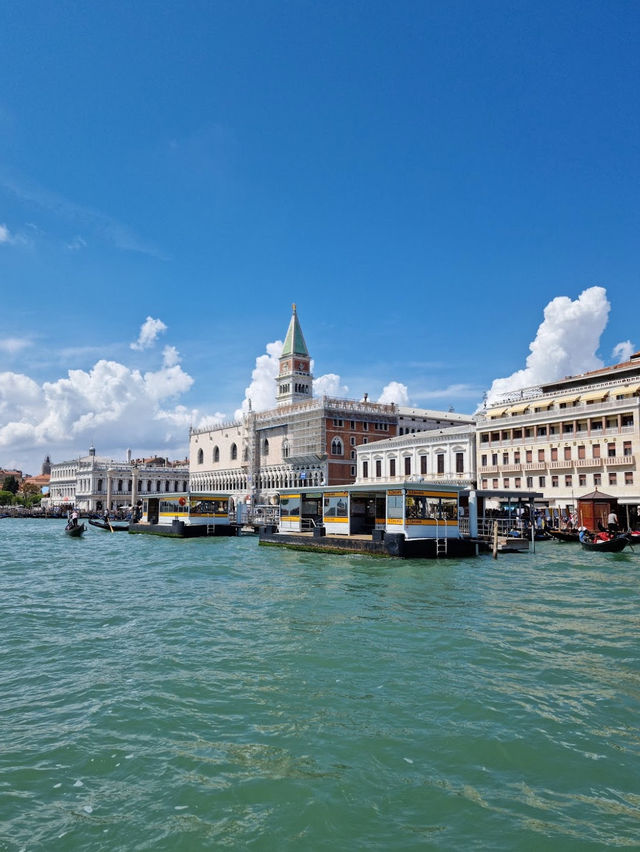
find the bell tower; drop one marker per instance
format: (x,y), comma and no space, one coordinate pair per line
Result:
(295,382)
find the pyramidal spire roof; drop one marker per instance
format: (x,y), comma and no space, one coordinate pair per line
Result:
(294,343)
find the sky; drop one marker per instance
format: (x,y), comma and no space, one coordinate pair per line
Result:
(448,191)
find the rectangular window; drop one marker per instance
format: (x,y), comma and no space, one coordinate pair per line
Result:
(365,427)
(595,451)
(628,477)
(582,480)
(505,458)
(567,453)
(378,468)
(485,483)
(568,479)
(392,467)
(542,430)
(626,448)
(529,482)
(352,440)
(506,482)
(353,424)
(554,481)
(541,455)
(567,428)
(407,465)
(494,458)
(483,460)
(581,452)
(394,506)
(335,507)
(459,462)
(517,482)
(338,422)
(495,483)
(529,456)
(440,460)
(423,464)
(597,479)
(613,479)
(611,450)
(365,469)
(541,481)
(353,470)
(516,457)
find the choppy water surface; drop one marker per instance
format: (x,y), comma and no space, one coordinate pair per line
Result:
(186,695)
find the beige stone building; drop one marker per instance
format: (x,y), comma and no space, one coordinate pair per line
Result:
(566,438)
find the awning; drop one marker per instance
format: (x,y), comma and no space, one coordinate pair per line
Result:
(590,397)
(538,403)
(630,389)
(518,409)
(497,412)
(566,399)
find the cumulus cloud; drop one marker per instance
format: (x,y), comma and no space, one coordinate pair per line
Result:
(329,385)
(262,390)
(149,331)
(395,392)
(5,236)
(623,351)
(565,344)
(107,404)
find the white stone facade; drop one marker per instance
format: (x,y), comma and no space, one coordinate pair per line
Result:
(445,455)
(567,438)
(93,484)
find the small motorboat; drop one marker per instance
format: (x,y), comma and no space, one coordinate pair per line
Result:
(564,535)
(604,545)
(103,525)
(75,530)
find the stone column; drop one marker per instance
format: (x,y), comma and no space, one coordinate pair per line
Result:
(108,475)
(473,513)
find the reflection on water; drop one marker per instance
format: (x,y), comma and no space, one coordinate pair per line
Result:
(191,695)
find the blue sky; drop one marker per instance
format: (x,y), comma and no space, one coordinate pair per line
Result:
(423,179)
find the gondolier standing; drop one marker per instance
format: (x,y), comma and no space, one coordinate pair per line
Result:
(612,522)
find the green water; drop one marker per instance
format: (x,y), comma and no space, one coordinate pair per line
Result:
(210,694)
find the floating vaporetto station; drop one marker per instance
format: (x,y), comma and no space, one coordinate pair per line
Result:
(406,520)
(186,516)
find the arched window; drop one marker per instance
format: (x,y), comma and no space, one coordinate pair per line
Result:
(336,447)
(200,456)
(216,454)
(285,449)
(234,452)
(265,447)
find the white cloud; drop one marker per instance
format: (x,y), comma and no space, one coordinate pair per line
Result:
(455,391)
(623,351)
(76,244)
(5,236)
(395,392)
(329,385)
(170,356)
(262,390)
(12,345)
(110,405)
(565,343)
(149,330)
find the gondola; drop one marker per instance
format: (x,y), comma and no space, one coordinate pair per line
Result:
(110,527)
(75,531)
(610,545)
(563,535)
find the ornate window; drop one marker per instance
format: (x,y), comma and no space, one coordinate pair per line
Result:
(265,447)
(234,452)
(336,447)
(200,456)
(216,453)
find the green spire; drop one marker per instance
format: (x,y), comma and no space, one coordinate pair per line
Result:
(294,341)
